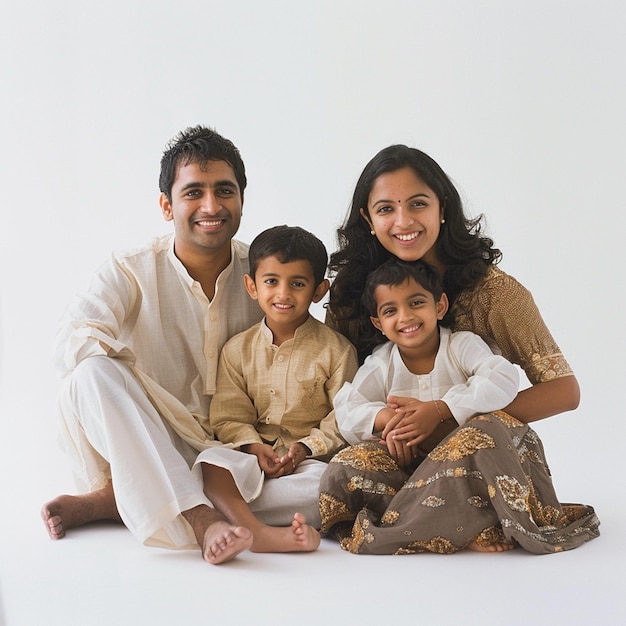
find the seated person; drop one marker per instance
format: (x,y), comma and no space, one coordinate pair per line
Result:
(275,389)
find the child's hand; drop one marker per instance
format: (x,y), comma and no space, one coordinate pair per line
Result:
(414,420)
(268,461)
(296,454)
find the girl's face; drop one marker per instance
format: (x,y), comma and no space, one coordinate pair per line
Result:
(405,215)
(408,315)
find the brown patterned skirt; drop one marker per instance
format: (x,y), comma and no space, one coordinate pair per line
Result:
(488,481)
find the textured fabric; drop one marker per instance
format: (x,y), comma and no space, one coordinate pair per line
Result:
(493,383)
(143,307)
(503,312)
(282,394)
(486,482)
(139,353)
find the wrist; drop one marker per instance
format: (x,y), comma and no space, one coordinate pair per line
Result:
(443,412)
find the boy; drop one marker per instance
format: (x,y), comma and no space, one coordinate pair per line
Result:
(275,388)
(424,375)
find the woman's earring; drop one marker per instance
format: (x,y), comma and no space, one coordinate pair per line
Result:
(443,221)
(372,232)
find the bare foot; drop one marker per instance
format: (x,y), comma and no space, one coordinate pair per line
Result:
(223,542)
(65,512)
(220,541)
(299,537)
(498,546)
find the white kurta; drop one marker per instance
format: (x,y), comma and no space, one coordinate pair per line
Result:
(139,352)
(467,376)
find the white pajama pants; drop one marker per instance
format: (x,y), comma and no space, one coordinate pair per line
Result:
(111,431)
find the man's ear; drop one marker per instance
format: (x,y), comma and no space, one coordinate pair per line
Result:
(166,207)
(377,323)
(321,290)
(248,281)
(442,306)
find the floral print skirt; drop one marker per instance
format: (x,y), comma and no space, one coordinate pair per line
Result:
(488,481)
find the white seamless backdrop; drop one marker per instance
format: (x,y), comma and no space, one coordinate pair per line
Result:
(522,104)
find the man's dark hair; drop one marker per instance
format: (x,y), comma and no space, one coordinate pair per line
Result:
(198,144)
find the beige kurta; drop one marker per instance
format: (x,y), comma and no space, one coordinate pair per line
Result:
(280,395)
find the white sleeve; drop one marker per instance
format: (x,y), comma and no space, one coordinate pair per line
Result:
(492,384)
(357,403)
(93,321)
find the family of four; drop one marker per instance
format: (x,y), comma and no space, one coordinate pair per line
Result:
(202,405)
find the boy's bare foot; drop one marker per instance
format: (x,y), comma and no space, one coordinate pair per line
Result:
(498,546)
(65,512)
(219,540)
(299,537)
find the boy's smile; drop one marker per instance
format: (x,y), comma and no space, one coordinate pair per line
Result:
(284,292)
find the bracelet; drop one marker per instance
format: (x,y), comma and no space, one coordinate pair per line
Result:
(439,411)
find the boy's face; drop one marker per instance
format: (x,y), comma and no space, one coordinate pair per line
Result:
(284,292)
(408,315)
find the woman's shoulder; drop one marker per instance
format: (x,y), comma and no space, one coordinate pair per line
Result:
(500,283)
(496,285)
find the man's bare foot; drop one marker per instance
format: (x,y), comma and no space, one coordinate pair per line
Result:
(299,537)
(498,546)
(219,540)
(65,512)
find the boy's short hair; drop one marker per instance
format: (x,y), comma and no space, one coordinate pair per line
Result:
(289,243)
(394,272)
(198,144)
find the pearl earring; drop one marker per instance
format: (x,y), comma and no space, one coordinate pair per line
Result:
(372,232)
(443,221)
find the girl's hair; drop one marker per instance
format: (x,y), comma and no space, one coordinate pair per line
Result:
(395,272)
(460,247)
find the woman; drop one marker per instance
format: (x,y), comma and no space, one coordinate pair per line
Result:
(487,484)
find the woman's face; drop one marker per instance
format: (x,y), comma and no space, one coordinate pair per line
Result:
(405,215)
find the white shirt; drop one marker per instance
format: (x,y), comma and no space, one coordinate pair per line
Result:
(144,308)
(467,376)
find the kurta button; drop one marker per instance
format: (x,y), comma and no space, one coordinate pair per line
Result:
(211,354)
(281,358)
(272,392)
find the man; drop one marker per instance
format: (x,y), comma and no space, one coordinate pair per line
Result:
(139,354)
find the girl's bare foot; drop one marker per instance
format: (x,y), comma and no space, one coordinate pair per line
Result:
(65,512)
(299,537)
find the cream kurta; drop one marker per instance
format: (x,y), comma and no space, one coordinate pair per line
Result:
(160,339)
(280,395)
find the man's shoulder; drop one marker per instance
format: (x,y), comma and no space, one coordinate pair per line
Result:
(153,247)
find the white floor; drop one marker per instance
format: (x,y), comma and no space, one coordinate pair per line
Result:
(100,575)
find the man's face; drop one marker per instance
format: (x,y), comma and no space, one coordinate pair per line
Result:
(206,207)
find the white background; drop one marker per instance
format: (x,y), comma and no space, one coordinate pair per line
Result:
(521,102)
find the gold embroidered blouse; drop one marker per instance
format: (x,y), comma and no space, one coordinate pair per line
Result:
(502,311)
